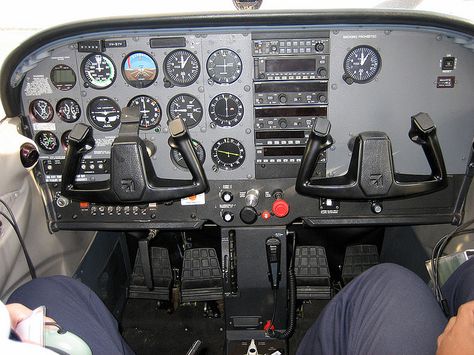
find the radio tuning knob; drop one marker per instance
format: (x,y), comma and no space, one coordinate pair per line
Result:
(283,123)
(282,98)
(322,71)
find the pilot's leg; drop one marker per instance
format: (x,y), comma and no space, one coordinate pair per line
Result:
(386,310)
(459,288)
(75,308)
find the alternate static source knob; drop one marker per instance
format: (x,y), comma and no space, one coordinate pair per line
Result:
(248,215)
(280,208)
(228,216)
(251,197)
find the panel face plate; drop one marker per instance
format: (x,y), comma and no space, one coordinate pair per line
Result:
(262,89)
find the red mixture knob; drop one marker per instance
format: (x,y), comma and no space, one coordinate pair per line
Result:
(280,208)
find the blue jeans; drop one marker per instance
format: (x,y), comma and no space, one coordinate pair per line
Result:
(387,310)
(75,308)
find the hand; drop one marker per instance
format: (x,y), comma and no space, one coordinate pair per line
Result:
(458,336)
(18,312)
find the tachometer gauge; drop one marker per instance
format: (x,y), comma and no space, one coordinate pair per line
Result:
(47,141)
(182,67)
(150,111)
(228,153)
(361,64)
(98,71)
(226,110)
(104,113)
(68,110)
(178,159)
(139,69)
(186,107)
(224,66)
(41,110)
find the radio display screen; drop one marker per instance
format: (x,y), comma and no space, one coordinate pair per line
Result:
(290,65)
(283,151)
(279,134)
(291,111)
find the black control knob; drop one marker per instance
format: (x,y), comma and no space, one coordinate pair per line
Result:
(227,196)
(28,155)
(376,207)
(319,47)
(248,215)
(322,98)
(322,71)
(283,123)
(228,216)
(282,98)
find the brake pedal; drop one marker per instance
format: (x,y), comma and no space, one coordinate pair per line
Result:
(313,280)
(161,275)
(358,258)
(201,278)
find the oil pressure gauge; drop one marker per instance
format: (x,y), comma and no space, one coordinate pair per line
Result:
(361,65)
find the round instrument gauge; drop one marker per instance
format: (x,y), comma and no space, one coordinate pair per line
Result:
(226,110)
(361,64)
(68,110)
(63,77)
(47,141)
(224,66)
(150,111)
(186,107)
(182,67)
(98,71)
(139,69)
(41,110)
(65,139)
(104,113)
(178,159)
(228,153)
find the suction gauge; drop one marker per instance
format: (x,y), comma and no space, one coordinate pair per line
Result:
(182,67)
(150,111)
(47,141)
(224,66)
(98,71)
(228,153)
(104,113)
(361,64)
(139,70)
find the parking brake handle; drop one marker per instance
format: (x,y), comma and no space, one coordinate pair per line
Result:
(371,173)
(132,176)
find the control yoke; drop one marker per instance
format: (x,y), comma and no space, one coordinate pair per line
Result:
(132,177)
(371,173)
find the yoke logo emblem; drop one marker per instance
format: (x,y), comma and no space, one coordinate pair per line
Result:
(128,185)
(376,180)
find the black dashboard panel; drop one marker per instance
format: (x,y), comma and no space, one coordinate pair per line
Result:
(249,88)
